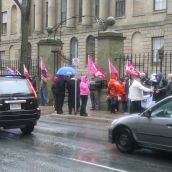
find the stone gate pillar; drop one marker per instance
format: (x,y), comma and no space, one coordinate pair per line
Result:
(48,49)
(110,45)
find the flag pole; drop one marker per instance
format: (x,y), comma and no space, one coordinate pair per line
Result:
(109,67)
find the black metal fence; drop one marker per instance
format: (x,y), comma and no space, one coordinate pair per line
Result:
(146,63)
(31,65)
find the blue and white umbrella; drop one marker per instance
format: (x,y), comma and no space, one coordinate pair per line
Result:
(66,70)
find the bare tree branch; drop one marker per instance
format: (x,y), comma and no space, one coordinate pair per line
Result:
(18,4)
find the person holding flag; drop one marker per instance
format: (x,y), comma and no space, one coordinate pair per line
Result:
(44,78)
(95,83)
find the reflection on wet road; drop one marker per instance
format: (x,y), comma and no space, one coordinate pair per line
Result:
(67,147)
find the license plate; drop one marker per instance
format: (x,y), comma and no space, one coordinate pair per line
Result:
(15,106)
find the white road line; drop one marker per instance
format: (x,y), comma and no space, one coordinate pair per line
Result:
(97,165)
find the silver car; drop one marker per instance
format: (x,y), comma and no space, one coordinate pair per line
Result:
(150,129)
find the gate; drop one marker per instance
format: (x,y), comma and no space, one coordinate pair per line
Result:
(146,63)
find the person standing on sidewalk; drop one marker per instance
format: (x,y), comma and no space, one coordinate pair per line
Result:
(95,88)
(43,90)
(60,94)
(136,95)
(84,92)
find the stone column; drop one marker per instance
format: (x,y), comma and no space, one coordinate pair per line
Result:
(70,13)
(110,45)
(104,9)
(86,12)
(38,15)
(51,13)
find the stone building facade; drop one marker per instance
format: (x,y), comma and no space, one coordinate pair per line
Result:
(146,24)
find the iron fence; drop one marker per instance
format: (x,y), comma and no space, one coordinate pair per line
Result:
(146,63)
(31,65)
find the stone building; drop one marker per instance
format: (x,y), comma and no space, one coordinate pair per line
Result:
(146,24)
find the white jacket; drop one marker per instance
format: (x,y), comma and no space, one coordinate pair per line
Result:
(136,91)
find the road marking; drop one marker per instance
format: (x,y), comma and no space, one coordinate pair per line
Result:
(97,165)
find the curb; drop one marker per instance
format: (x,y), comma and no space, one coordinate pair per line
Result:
(93,116)
(90,118)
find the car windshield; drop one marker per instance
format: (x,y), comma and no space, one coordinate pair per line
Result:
(14,86)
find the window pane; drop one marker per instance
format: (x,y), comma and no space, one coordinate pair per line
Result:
(120,8)
(2,55)
(74,48)
(157,43)
(160,4)
(90,47)
(97,8)
(63,9)
(80,10)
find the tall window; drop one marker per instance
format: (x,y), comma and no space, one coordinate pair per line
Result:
(63,9)
(46,15)
(80,11)
(159,4)
(157,44)
(73,48)
(4,23)
(97,8)
(2,55)
(90,47)
(120,8)
(13,19)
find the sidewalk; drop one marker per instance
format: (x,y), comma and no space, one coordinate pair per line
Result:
(96,115)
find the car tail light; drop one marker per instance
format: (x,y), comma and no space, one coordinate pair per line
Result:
(32,88)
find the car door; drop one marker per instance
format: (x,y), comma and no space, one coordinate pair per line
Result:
(155,129)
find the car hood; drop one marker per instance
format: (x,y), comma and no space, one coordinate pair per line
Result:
(126,120)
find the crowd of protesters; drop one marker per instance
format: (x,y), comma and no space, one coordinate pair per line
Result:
(130,92)
(125,94)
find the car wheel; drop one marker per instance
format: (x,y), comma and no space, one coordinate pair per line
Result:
(28,129)
(125,141)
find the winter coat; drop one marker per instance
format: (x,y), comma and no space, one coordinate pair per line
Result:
(136,91)
(115,87)
(60,86)
(84,86)
(159,84)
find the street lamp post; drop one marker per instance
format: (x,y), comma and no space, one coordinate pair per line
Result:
(58,26)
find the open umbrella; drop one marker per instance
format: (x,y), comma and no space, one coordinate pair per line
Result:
(66,70)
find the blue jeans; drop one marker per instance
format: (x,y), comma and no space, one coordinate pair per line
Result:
(43,97)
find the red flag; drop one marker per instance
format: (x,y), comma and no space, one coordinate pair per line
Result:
(99,73)
(25,71)
(91,66)
(44,71)
(94,69)
(131,70)
(112,69)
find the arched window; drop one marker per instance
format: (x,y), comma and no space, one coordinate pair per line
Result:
(14,19)
(90,48)
(73,48)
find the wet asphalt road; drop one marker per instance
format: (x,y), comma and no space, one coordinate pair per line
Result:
(72,147)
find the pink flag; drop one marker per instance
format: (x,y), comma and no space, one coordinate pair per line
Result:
(25,71)
(99,73)
(131,70)
(44,71)
(91,66)
(112,69)
(94,69)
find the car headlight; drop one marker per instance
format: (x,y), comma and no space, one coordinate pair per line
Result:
(114,121)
